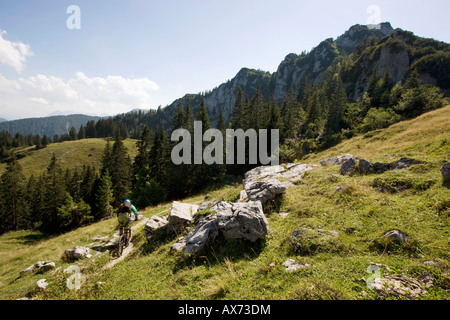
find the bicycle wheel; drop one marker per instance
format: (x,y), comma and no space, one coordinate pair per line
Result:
(120,244)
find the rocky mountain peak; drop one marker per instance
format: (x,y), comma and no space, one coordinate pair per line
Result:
(350,39)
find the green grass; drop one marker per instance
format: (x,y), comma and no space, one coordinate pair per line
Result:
(361,212)
(70,154)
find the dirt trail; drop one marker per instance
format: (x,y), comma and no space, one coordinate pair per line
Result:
(129,249)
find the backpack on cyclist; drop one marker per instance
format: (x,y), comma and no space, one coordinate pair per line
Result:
(123,213)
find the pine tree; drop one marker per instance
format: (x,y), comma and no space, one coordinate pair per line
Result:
(337,103)
(35,199)
(142,158)
(104,196)
(14,209)
(189,118)
(180,117)
(289,116)
(73,134)
(255,113)
(238,111)
(73,185)
(73,214)
(203,116)
(82,132)
(106,159)
(119,167)
(38,142)
(221,124)
(159,155)
(54,193)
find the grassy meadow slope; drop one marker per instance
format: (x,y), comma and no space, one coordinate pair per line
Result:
(70,154)
(361,208)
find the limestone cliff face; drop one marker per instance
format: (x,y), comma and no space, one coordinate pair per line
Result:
(224,96)
(311,66)
(392,57)
(364,50)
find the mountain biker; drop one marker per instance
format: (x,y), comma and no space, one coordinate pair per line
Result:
(124,218)
(133,208)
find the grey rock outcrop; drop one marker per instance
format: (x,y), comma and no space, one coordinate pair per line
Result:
(379,167)
(365,167)
(241,220)
(181,216)
(445,170)
(264,191)
(153,224)
(399,286)
(42,284)
(264,183)
(348,166)
(179,245)
(247,221)
(206,231)
(38,267)
(404,163)
(334,161)
(77,253)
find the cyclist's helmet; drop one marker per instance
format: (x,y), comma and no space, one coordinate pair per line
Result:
(127,203)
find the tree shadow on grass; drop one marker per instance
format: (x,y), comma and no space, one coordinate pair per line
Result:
(220,251)
(34,238)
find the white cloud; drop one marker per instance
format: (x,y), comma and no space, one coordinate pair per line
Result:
(13,54)
(40,95)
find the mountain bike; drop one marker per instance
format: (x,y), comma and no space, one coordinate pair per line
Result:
(123,241)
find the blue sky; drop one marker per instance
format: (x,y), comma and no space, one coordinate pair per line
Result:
(130,54)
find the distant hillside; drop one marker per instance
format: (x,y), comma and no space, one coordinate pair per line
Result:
(49,126)
(71,154)
(3,120)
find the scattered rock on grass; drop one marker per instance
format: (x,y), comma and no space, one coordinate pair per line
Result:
(337,160)
(77,253)
(40,266)
(404,163)
(379,167)
(365,167)
(400,286)
(445,170)
(42,284)
(397,235)
(348,166)
(292,266)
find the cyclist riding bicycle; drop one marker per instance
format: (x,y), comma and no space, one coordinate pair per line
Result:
(124,217)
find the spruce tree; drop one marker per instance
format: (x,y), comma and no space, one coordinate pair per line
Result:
(189,118)
(238,111)
(142,158)
(54,194)
(179,119)
(119,167)
(13,204)
(104,196)
(203,116)
(289,116)
(221,124)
